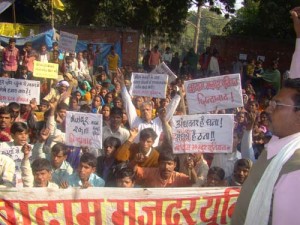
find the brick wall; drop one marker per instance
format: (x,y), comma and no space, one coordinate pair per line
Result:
(128,38)
(230,47)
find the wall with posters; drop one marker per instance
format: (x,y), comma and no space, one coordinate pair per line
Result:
(117,206)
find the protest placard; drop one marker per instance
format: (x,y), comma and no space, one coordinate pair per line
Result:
(20,91)
(118,206)
(67,42)
(164,69)
(84,129)
(151,85)
(209,94)
(15,153)
(46,70)
(203,133)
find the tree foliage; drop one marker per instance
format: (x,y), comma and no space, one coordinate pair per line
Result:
(154,18)
(263,18)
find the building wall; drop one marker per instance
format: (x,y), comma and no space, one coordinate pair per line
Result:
(128,38)
(230,47)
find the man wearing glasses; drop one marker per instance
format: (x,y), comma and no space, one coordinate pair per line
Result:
(270,195)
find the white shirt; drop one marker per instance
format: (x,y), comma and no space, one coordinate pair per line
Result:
(122,134)
(156,124)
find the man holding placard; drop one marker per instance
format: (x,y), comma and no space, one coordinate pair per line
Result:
(145,121)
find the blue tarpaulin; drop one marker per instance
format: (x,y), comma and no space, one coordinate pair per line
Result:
(47,38)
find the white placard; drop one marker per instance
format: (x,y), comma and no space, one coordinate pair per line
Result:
(152,85)
(16,154)
(67,42)
(164,69)
(20,91)
(210,94)
(243,57)
(206,133)
(84,129)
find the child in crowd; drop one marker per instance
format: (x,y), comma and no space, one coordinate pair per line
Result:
(125,177)
(60,167)
(85,176)
(215,177)
(240,172)
(38,174)
(107,162)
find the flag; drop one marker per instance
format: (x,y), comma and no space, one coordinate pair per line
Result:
(57,4)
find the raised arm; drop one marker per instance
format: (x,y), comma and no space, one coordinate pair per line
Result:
(295,65)
(246,143)
(123,153)
(128,105)
(171,108)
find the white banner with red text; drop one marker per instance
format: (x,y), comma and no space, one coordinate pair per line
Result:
(117,206)
(203,133)
(214,93)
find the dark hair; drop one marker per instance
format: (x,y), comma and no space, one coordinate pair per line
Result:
(112,141)
(88,158)
(148,133)
(40,164)
(215,170)
(125,172)
(55,51)
(243,163)
(116,111)
(18,127)
(61,106)
(5,110)
(22,67)
(13,105)
(44,102)
(28,44)
(294,84)
(68,58)
(166,156)
(85,108)
(55,44)
(59,147)
(12,40)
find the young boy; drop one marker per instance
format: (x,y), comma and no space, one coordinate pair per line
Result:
(19,133)
(38,174)
(141,152)
(215,177)
(60,167)
(125,177)
(85,176)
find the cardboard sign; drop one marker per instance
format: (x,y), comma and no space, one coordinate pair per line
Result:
(17,155)
(203,133)
(152,85)
(209,94)
(164,69)
(118,206)
(46,70)
(67,42)
(84,129)
(20,91)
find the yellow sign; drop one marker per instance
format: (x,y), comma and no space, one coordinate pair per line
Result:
(10,29)
(46,70)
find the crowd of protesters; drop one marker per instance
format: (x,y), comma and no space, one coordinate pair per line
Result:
(137,135)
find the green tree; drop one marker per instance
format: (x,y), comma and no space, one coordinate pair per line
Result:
(267,18)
